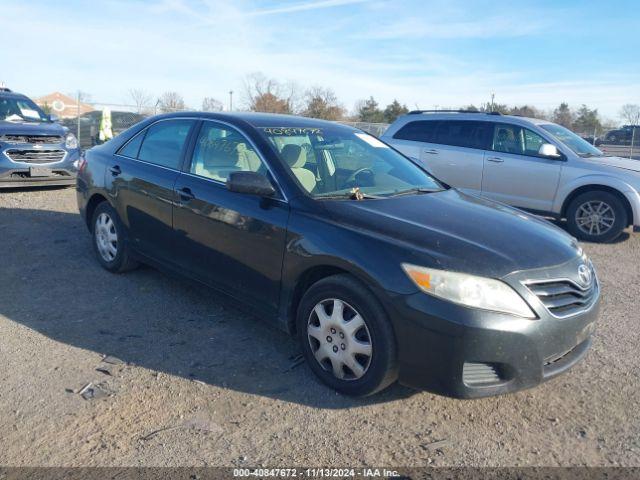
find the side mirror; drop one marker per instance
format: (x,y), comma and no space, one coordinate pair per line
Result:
(250,182)
(549,151)
(53,117)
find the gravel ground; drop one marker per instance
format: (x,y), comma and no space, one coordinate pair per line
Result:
(203,383)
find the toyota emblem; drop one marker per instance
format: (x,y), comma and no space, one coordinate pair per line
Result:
(584,275)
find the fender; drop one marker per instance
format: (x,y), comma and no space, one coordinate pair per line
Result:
(600,180)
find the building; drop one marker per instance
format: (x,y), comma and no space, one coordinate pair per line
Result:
(62,105)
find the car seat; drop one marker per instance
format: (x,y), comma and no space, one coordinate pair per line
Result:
(296,158)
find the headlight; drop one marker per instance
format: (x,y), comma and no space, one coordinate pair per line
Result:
(71,141)
(469,290)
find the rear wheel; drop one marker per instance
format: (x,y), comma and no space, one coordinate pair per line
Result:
(596,217)
(346,336)
(110,241)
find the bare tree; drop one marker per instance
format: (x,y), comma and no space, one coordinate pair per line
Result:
(322,103)
(264,94)
(171,102)
(210,104)
(141,99)
(631,113)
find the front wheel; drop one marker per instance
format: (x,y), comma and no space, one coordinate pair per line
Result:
(346,336)
(110,241)
(596,217)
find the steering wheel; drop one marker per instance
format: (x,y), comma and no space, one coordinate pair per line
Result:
(352,177)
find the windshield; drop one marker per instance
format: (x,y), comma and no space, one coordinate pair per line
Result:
(573,141)
(336,161)
(16,109)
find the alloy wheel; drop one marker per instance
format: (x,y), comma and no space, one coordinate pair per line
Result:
(339,338)
(595,217)
(106,237)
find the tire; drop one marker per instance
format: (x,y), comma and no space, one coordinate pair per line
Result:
(604,204)
(110,243)
(348,344)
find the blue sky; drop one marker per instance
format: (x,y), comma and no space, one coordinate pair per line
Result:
(424,53)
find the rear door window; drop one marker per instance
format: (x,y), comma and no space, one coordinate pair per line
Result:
(164,142)
(463,133)
(418,131)
(132,148)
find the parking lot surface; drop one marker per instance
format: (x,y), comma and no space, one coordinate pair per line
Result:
(174,375)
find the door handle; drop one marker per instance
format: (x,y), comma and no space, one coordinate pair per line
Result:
(495,159)
(115,170)
(431,151)
(186,194)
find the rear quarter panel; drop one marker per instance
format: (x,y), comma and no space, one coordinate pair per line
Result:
(90,180)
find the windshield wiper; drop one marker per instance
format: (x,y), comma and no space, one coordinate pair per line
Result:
(354,194)
(415,190)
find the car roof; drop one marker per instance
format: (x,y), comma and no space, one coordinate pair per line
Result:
(478,116)
(259,120)
(10,94)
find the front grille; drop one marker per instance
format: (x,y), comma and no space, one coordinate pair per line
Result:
(474,374)
(33,139)
(564,298)
(36,156)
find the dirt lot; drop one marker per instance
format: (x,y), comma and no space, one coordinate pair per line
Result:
(204,384)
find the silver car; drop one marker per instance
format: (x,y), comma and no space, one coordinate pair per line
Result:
(528,163)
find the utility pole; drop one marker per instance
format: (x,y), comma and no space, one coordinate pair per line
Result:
(493,96)
(633,139)
(230,100)
(78,118)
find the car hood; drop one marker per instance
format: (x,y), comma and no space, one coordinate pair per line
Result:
(31,128)
(460,232)
(617,162)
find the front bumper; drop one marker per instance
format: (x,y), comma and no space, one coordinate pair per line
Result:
(19,174)
(468,353)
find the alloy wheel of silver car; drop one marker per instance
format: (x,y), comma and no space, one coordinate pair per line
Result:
(339,338)
(106,237)
(595,217)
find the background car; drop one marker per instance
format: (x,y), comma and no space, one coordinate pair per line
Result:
(381,271)
(528,163)
(35,150)
(623,135)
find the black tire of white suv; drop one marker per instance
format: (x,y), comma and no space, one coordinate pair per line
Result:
(596,216)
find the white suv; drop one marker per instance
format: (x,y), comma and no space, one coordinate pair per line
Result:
(532,164)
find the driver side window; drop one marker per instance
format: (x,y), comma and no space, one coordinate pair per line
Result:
(507,139)
(222,150)
(516,140)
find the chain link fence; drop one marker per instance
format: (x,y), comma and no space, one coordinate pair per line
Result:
(375,129)
(87,127)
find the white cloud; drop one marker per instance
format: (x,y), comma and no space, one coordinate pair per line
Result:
(207,47)
(305,6)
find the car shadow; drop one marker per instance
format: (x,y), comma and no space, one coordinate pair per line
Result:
(623,237)
(51,283)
